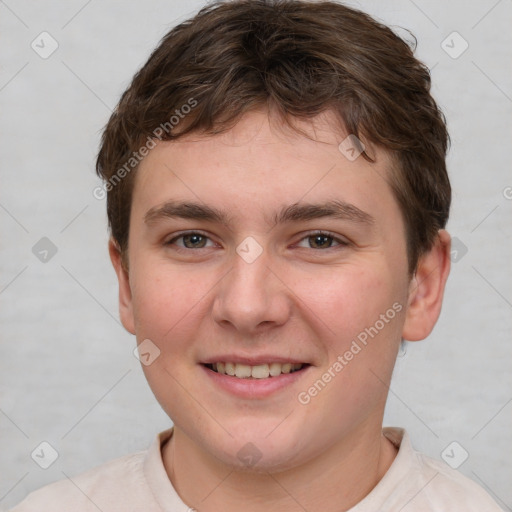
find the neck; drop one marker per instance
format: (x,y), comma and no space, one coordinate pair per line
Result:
(334,481)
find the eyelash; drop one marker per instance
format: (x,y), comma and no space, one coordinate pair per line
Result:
(339,241)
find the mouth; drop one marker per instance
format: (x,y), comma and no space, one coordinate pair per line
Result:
(260,371)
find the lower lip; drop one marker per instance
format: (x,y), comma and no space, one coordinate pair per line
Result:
(254,388)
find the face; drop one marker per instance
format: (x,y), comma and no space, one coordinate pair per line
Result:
(253,250)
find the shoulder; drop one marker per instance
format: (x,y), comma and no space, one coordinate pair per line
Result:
(445,487)
(423,484)
(114,485)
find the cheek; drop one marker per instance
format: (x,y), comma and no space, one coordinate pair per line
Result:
(358,316)
(346,300)
(167,306)
(164,300)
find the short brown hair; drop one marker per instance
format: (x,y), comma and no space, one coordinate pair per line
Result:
(298,58)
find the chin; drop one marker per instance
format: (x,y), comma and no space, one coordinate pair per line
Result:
(261,452)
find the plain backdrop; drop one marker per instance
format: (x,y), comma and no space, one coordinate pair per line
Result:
(68,375)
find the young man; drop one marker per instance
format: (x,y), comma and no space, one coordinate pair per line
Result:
(277,197)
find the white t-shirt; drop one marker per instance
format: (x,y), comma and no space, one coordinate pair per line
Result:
(139,483)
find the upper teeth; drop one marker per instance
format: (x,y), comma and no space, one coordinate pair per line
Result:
(260,371)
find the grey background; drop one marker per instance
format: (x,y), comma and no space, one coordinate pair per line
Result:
(68,374)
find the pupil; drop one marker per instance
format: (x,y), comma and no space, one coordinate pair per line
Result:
(194,240)
(321,240)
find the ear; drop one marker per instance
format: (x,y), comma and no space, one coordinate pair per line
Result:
(426,290)
(125,293)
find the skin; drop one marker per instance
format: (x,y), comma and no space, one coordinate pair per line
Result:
(298,299)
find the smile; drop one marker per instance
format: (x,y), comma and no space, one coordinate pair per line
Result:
(260,371)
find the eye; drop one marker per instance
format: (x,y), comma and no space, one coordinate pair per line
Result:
(190,240)
(197,240)
(322,240)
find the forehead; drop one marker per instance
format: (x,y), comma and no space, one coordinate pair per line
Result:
(264,164)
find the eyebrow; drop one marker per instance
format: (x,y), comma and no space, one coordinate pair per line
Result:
(293,213)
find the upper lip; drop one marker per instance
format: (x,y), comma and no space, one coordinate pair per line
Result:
(252,361)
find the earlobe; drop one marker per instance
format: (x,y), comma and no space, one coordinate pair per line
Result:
(125,293)
(427,289)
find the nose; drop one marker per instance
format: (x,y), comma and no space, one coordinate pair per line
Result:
(252,297)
